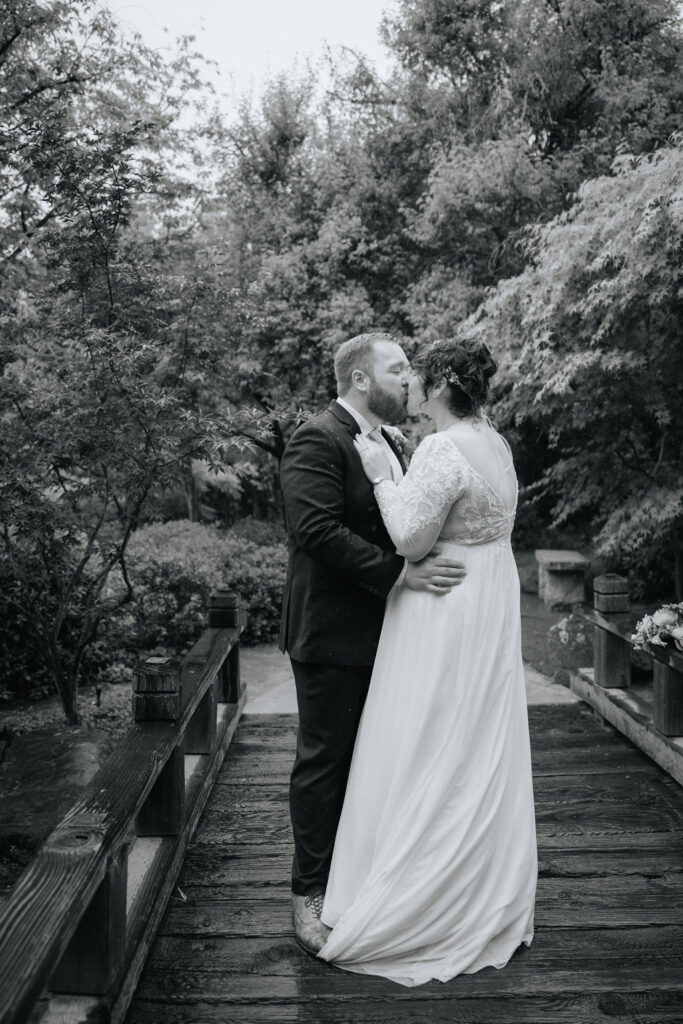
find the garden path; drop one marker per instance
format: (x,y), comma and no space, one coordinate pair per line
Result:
(271,688)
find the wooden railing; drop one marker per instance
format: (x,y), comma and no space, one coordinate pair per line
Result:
(79,922)
(650,714)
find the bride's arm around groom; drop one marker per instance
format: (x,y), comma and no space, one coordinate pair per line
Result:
(342,562)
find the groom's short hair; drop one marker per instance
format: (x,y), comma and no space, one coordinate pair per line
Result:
(356,354)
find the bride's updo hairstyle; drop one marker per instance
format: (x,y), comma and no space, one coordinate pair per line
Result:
(466,365)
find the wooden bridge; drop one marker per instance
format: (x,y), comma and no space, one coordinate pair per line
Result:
(609,940)
(198,929)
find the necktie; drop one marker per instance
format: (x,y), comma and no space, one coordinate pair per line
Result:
(394,464)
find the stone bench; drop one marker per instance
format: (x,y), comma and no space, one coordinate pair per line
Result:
(561,578)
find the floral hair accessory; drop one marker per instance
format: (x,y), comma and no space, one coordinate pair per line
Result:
(449,374)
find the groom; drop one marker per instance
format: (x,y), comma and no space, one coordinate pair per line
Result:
(342,566)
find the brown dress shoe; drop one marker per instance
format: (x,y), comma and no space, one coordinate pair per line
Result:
(309,931)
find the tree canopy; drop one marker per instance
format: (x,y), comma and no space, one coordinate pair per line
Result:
(98,347)
(170,295)
(593,355)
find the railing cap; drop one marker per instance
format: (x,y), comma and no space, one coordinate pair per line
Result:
(157,675)
(224,598)
(610,583)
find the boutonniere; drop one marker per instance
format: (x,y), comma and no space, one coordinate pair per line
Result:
(400,441)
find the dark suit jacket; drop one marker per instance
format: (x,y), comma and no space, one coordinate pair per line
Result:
(342,563)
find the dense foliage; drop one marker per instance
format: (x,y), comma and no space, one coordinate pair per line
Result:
(174,567)
(167,296)
(594,357)
(98,356)
(403,203)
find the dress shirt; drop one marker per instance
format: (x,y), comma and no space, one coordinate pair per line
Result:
(394,465)
(367,428)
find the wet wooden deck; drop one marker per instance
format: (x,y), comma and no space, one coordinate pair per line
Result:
(609,923)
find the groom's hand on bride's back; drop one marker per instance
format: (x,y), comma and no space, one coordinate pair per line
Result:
(437,573)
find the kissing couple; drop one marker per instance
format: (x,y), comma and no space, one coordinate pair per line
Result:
(411,793)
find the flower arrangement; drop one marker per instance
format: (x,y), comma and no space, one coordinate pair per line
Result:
(660,628)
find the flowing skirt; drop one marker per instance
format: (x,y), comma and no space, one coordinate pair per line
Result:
(434,868)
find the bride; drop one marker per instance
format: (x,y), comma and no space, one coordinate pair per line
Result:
(434,867)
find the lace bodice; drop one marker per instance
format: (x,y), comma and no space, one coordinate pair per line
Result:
(442,497)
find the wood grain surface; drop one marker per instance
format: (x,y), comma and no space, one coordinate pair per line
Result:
(82,858)
(609,918)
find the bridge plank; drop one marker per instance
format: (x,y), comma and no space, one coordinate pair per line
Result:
(609,940)
(657,856)
(568,1008)
(274,768)
(560,903)
(567,811)
(559,960)
(570,724)
(551,788)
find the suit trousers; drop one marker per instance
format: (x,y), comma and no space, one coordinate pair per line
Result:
(330,700)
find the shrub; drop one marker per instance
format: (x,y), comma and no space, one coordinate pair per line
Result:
(23,674)
(173,568)
(259,532)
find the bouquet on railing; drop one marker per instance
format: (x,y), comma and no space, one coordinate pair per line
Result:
(661,628)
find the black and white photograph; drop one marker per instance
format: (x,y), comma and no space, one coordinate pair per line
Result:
(341,512)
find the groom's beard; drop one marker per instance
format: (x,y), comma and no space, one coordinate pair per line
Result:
(387,407)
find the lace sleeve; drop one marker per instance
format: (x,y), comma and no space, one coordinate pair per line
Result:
(414,510)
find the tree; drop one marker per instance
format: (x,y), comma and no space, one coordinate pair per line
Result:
(396,204)
(288,230)
(516,105)
(100,358)
(595,361)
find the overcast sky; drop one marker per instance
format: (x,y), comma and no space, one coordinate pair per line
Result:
(250,39)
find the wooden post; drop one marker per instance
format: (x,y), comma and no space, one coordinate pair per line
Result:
(200,735)
(223,683)
(156,697)
(612,653)
(233,676)
(610,593)
(225,611)
(163,812)
(668,699)
(612,659)
(94,958)
(156,690)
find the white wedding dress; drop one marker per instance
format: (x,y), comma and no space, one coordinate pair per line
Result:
(434,868)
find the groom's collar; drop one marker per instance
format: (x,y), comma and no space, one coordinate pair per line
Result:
(344,417)
(364,425)
(348,417)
